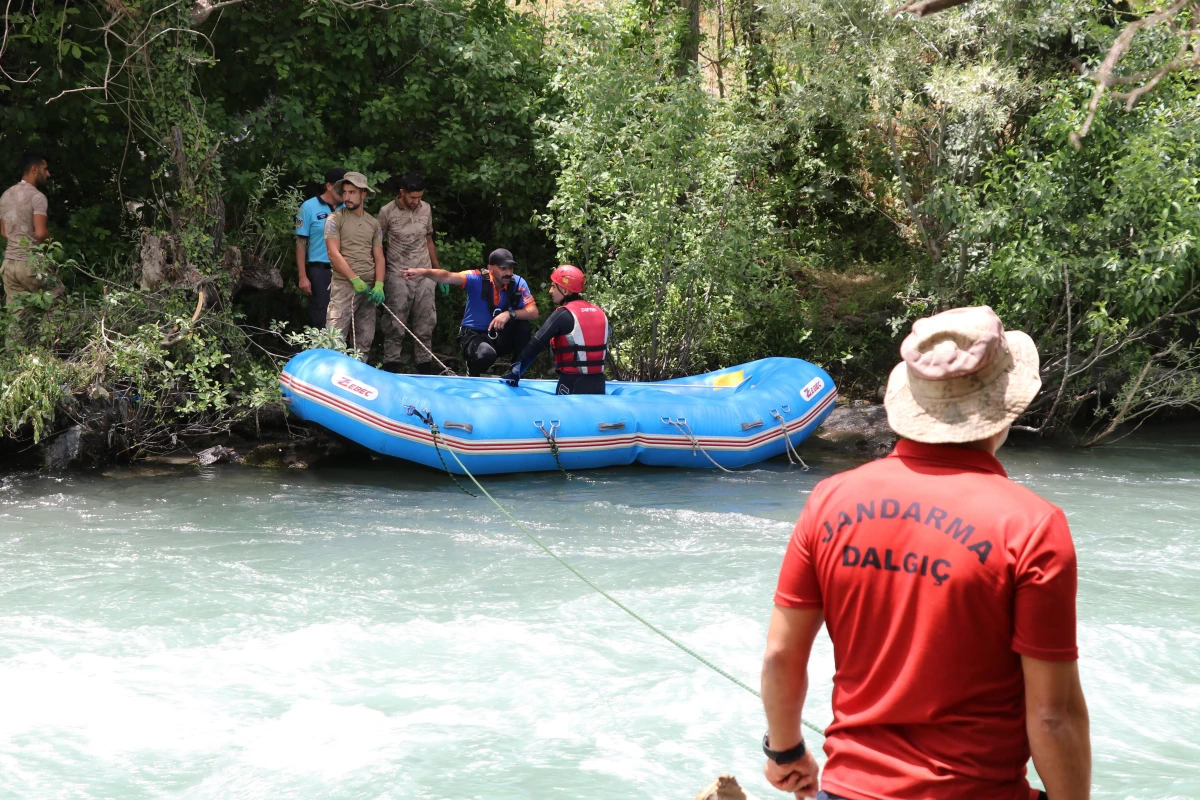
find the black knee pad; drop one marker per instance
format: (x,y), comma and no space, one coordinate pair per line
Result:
(483,357)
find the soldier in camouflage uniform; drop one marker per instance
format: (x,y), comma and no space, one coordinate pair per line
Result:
(407,225)
(29,283)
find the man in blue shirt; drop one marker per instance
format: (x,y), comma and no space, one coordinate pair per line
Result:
(499,310)
(312,259)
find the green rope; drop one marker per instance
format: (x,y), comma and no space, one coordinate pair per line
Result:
(612,599)
(551,440)
(433,429)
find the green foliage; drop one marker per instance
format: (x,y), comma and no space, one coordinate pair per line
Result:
(657,200)
(843,172)
(174,130)
(33,385)
(196,129)
(1118,222)
(140,355)
(266,230)
(452,89)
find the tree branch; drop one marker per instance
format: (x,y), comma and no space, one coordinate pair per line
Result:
(927,7)
(1104,77)
(912,209)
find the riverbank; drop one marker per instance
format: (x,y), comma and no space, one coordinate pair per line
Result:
(855,432)
(271,438)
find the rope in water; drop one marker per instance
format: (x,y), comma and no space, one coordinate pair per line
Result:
(608,596)
(427,418)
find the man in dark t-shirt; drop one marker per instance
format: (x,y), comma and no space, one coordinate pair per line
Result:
(948,592)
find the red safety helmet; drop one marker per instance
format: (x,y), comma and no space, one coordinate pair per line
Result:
(568,278)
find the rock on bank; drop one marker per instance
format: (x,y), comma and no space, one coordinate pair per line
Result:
(858,429)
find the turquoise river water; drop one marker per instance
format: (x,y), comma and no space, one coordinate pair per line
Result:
(234,633)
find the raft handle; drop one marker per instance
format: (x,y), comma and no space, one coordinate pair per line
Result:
(462,426)
(612,426)
(749,425)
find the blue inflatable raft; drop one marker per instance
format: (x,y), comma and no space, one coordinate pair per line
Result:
(731,417)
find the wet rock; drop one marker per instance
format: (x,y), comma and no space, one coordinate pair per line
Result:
(151,470)
(724,788)
(80,446)
(260,274)
(858,427)
(270,418)
(218,455)
(63,450)
(319,449)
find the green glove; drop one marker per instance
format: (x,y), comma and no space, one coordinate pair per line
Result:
(360,286)
(444,288)
(377,293)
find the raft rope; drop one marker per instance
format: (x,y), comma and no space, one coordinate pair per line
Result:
(686,430)
(445,370)
(551,439)
(428,419)
(788,447)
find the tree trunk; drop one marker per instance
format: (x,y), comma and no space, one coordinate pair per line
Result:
(689,44)
(758,61)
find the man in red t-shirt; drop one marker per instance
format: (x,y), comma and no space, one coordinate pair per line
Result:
(948,592)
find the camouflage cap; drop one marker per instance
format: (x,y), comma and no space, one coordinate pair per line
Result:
(356,178)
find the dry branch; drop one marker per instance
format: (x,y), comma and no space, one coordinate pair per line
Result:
(1105,79)
(927,7)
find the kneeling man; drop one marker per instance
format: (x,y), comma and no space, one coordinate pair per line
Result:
(499,309)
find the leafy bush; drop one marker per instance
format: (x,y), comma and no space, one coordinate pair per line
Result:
(1096,251)
(659,200)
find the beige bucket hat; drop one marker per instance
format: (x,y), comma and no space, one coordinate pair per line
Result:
(962,378)
(356,178)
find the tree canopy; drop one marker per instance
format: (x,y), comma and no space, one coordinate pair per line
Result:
(802,177)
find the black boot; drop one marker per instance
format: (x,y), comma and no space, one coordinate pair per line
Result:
(394,367)
(425,368)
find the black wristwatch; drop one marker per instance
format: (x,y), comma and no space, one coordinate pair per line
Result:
(784,756)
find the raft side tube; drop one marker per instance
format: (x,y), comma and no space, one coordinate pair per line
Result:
(735,416)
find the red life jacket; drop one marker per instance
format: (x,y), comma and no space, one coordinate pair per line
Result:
(582,351)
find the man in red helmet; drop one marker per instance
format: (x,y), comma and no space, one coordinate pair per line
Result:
(577,334)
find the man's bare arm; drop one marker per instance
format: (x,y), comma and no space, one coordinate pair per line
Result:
(301,264)
(1056,718)
(41,228)
(784,686)
(785,671)
(528,312)
(380,264)
(338,260)
(438,275)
